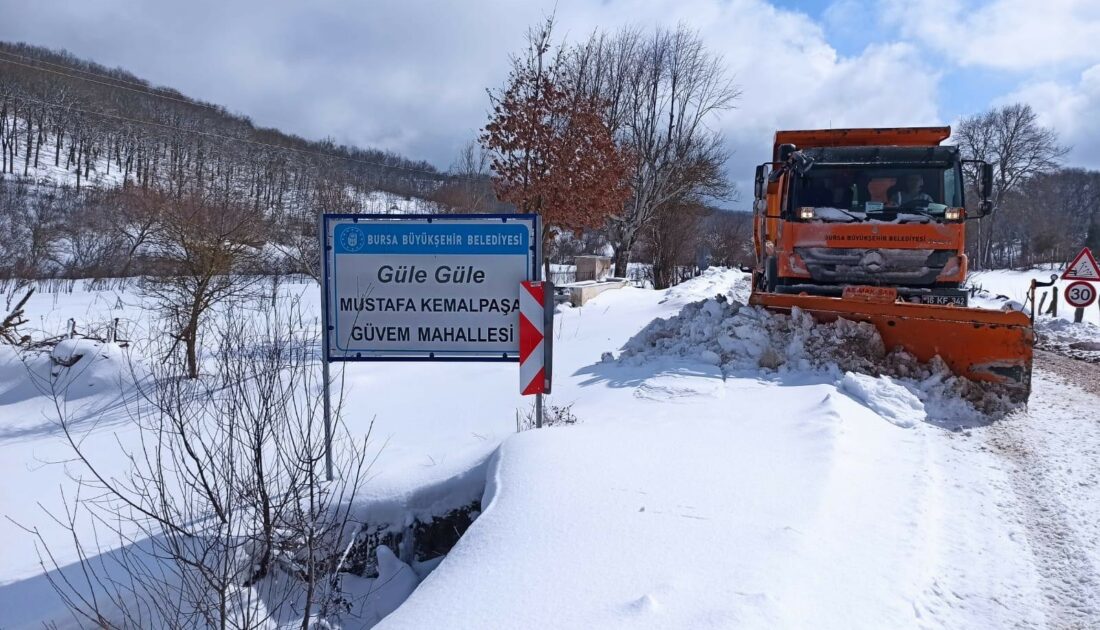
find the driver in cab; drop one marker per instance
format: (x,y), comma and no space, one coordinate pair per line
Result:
(910,190)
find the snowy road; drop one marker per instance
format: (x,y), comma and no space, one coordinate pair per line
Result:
(1052,454)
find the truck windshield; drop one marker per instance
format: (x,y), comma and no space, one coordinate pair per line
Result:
(881,192)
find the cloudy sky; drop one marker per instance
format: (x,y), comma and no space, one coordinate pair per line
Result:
(410,75)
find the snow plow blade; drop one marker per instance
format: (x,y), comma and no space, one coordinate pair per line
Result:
(981,345)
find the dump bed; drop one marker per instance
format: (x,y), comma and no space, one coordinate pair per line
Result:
(890,136)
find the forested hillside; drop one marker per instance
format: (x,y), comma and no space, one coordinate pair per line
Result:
(91,155)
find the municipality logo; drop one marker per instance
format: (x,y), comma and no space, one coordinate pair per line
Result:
(352,239)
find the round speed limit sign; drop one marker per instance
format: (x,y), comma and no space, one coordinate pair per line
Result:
(1080,294)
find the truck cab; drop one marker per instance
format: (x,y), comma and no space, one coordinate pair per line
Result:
(865,207)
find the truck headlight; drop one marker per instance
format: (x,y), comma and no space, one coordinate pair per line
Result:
(806,212)
(953,214)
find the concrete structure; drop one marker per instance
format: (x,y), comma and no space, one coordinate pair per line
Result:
(592,267)
(581,292)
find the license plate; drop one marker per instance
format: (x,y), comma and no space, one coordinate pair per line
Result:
(882,295)
(944,300)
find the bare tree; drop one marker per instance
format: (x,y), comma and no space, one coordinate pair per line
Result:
(295,234)
(1012,140)
(137,224)
(203,248)
(468,188)
(1048,218)
(673,240)
(223,519)
(663,92)
(727,238)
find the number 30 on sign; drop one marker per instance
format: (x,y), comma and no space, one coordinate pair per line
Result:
(1080,294)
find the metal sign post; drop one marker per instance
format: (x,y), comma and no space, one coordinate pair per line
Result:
(423,288)
(327,401)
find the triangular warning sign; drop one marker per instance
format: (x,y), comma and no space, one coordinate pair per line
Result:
(1083,267)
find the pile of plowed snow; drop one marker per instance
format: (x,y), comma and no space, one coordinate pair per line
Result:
(738,338)
(1078,340)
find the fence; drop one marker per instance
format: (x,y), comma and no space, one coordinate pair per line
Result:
(638,274)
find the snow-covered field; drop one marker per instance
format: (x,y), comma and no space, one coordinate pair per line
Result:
(696,490)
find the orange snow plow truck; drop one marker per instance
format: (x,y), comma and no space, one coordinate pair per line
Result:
(870,225)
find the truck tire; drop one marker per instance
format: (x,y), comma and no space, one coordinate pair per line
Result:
(771,273)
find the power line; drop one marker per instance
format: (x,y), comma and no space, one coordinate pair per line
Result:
(113,86)
(100,75)
(244,140)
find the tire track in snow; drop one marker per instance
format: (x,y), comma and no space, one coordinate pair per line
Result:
(1051,451)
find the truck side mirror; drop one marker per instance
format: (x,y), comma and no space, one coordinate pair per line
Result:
(987,181)
(985,204)
(760,184)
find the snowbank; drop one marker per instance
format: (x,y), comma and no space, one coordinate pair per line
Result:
(73,369)
(886,398)
(724,332)
(771,507)
(1066,331)
(1080,341)
(745,339)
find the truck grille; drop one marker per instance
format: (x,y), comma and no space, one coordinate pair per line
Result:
(912,267)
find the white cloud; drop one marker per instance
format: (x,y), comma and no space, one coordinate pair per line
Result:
(791,77)
(1072,109)
(411,76)
(1003,34)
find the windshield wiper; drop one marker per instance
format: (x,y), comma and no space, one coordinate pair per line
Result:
(915,211)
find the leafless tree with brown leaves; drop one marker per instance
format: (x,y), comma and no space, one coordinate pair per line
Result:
(553,153)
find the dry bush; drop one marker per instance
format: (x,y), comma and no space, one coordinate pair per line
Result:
(223,518)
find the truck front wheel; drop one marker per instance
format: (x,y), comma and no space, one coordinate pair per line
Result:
(771,273)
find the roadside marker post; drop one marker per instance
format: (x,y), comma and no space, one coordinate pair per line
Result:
(326,404)
(536,334)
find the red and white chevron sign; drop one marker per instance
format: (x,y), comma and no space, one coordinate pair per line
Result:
(532,342)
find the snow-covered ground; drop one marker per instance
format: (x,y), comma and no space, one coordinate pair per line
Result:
(689,500)
(1059,333)
(692,493)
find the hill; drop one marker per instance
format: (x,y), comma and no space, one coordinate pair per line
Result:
(77,138)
